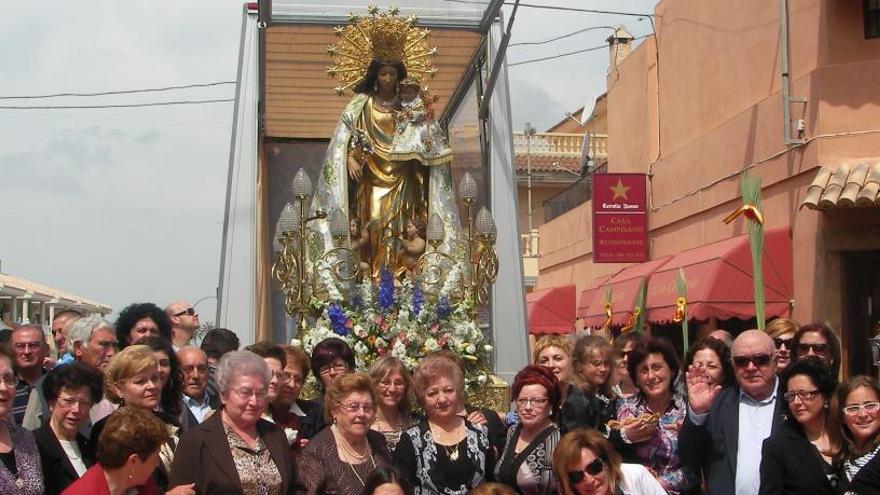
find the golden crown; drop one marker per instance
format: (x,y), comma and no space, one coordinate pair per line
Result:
(384,36)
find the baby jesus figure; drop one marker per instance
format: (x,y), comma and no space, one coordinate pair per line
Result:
(417,135)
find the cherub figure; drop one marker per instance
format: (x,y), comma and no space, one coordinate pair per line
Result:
(413,243)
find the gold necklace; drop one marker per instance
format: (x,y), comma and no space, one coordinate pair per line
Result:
(349,452)
(451,450)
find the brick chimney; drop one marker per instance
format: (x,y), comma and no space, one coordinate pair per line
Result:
(619,46)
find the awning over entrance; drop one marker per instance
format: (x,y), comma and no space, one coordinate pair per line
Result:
(719,280)
(589,293)
(844,187)
(624,291)
(551,310)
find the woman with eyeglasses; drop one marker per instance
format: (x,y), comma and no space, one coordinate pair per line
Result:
(526,463)
(818,340)
(798,457)
(393,386)
(20,472)
(236,451)
(856,407)
(71,391)
(782,331)
(445,453)
(340,458)
(651,419)
(331,358)
(585,463)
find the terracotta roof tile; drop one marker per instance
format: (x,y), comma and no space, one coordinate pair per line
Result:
(846,186)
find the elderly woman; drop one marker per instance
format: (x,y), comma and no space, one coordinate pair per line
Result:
(128,450)
(818,340)
(301,419)
(782,331)
(713,356)
(526,462)
(393,386)
(20,472)
(66,454)
(340,458)
(585,463)
(331,358)
(797,458)
(555,352)
(132,379)
(650,419)
(444,453)
(139,320)
(590,401)
(235,451)
(856,408)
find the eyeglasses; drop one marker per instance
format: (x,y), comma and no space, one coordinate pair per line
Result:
(533,401)
(868,407)
(68,402)
(340,366)
(353,407)
(10,381)
(200,368)
(246,394)
(758,360)
(21,346)
(187,311)
(803,395)
(593,468)
(782,342)
(818,349)
(282,376)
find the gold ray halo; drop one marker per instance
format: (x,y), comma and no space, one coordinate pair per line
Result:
(384,36)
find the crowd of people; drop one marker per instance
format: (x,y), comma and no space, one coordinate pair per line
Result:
(135,407)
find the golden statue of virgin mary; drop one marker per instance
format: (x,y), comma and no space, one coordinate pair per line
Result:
(381,183)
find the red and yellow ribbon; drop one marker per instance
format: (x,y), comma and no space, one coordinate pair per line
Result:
(680,307)
(608,317)
(631,322)
(750,211)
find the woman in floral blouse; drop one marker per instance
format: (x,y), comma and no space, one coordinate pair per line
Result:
(652,418)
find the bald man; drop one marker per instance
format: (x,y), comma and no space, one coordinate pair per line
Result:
(726,428)
(184,323)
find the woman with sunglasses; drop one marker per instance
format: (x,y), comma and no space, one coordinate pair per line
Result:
(585,463)
(856,407)
(818,340)
(526,463)
(782,331)
(650,420)
(623,347)
(797,458)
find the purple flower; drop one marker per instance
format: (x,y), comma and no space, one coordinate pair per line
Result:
(337,319)
(443,308)
(418,299)
(386,289)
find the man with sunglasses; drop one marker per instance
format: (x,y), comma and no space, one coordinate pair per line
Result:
(725,428)
(184,323)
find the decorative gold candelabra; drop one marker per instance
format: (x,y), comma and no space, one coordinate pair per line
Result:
(289,271)
(480,239)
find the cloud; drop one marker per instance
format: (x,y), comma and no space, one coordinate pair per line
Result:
(150,137)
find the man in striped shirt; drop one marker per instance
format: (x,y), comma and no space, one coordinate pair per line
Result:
(30,348)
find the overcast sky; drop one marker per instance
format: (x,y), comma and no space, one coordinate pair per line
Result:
(125,205)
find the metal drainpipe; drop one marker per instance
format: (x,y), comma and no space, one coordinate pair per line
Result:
(787,99)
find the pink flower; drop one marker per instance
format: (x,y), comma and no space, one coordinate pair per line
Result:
(349,323)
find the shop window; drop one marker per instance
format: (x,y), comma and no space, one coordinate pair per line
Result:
(872,19)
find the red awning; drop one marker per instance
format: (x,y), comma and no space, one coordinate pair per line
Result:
(624,288)
(551,310)
(719,280)
(590,292)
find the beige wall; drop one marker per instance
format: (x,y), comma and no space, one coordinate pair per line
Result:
(720,112)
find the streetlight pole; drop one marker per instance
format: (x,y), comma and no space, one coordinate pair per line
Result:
(529,131)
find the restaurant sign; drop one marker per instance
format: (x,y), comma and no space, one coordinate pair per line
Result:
(620,218)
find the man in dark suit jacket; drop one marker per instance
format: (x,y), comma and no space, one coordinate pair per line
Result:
(198,403)
(725,429)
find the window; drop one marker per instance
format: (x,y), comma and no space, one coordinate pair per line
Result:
(872,19)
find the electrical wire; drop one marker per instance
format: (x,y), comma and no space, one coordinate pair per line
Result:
(121,105)
(120,92)
(579,31)
(552,57)
(554,7)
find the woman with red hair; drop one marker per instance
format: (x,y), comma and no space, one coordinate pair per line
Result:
(527,460)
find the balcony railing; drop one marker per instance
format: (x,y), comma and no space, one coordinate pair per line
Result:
(554,144)
(529,244)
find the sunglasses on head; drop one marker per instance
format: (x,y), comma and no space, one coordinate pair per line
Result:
(782,342)
(593,469)
(187,311)
(818,349)
(758,360)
